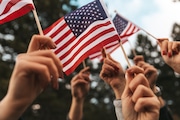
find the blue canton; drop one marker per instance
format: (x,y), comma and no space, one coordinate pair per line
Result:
(120,23)
(80,19)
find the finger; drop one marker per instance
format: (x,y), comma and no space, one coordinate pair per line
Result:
(141,91)
(132,71)
(130,74)
(37,42)
(103,52)
(50,54)
(138,58)
(148,103)
(46,62)
(78,82)
(114,64)
(170,49)
(164,47)
(139,79)
(160,40)
(176,47)
(32,68)
(85,70)
(106,71)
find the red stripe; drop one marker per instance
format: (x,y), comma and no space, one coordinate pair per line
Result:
(93,49)
(107,50)
(84,56)
(80,40)
(64,37)
(47,30)
(10,5)
(18,13)
(65,45)
(88,42)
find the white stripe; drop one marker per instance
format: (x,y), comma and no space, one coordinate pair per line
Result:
(112,44)
(3,5)
(135,30)
(87,48)
(94,33)
(130,30)
(14,8)
(61,23)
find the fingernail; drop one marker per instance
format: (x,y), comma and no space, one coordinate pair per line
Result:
(164,53)
(175,52)
(116,69)
(54,46)
(169,54)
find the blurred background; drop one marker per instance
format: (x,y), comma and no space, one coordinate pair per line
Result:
(160,18)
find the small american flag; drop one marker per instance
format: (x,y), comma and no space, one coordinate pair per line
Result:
(12,9)
(124,27)
(81,33)
(111,47)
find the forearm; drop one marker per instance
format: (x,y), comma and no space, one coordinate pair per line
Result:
(11,109)
(76,109)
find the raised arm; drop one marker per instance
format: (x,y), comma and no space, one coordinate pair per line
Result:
(80,85)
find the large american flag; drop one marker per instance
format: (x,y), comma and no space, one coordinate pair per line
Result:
(124,27)
(12,9)
(81,33)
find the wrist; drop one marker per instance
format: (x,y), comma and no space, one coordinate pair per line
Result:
(11,109)
(78,100)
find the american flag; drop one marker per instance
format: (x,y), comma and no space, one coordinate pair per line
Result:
(12,9)
(81,33)
(111,47)
(124,27)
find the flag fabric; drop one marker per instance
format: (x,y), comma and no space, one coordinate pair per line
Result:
(81,33)
(12,9)
(111,47)
(124,27)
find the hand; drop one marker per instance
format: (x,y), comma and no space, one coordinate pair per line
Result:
(138,100)
(32,73)
(112,73)
(149,71)
(80,84)
(39,42)
(170,53)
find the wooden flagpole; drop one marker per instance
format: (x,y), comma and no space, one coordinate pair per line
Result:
(104,6)
(125,55)
(37,22)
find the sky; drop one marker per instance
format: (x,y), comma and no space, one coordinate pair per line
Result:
(154,16)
